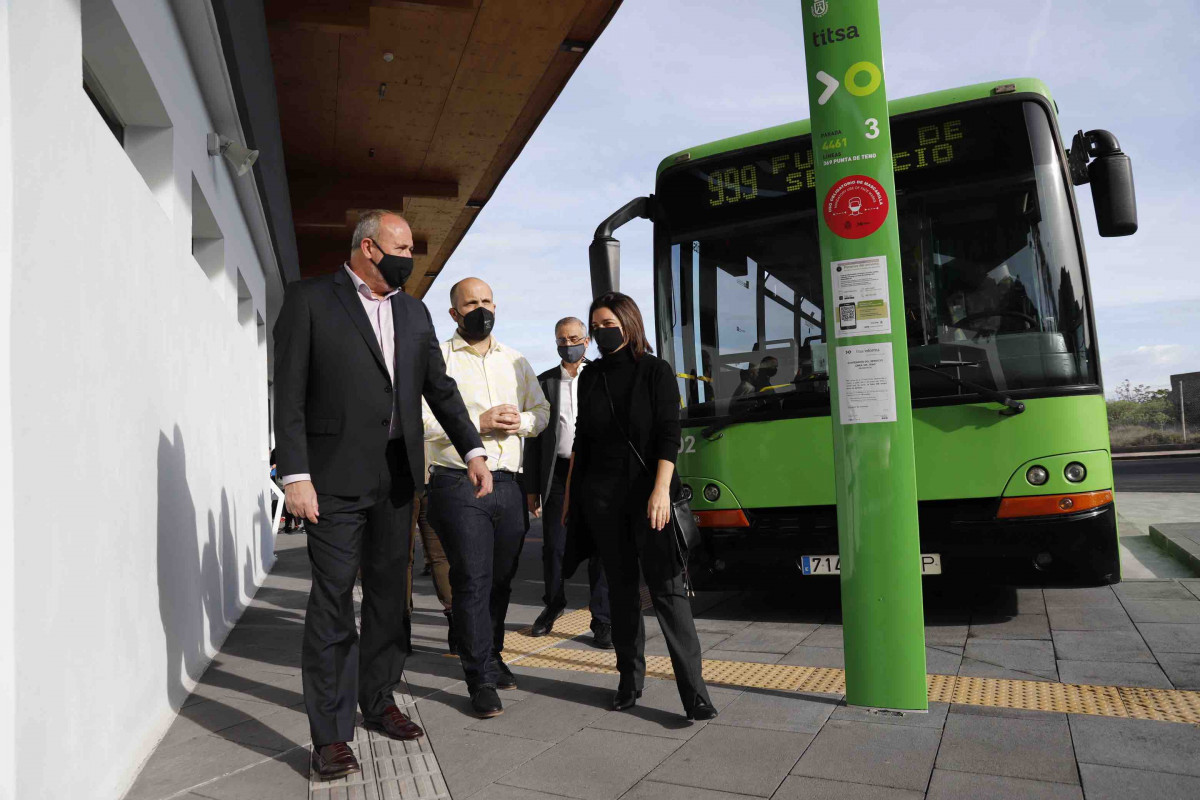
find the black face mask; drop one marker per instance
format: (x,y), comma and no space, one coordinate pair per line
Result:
(477,324)
(394,269)
(572,353)
(609,340)
(767,374)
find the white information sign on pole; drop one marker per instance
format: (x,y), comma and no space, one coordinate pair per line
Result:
(866,383)
(860,286)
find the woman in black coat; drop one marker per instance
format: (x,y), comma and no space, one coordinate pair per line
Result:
(620,499)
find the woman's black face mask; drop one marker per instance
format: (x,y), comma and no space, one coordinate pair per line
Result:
(609,340)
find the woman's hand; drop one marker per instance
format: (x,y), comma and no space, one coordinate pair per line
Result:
(658,510)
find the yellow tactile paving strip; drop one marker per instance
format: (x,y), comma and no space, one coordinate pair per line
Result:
(1162,705)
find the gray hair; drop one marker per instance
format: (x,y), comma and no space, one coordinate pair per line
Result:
(368,225)
(568,321)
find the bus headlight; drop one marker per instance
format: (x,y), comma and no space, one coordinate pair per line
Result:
(686,491)
(1075,472)
(712,493)
(1037,475)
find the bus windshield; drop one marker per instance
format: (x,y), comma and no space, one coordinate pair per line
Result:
(994,290)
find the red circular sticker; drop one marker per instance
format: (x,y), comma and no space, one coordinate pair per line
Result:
(855,207)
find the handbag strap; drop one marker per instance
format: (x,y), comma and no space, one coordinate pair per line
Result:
(621,427)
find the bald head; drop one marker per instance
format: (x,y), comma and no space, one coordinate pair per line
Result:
(469,294)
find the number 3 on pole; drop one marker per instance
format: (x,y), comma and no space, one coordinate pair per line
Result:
(872,128)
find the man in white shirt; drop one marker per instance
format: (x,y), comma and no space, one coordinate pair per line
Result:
(482,536)
(547,460)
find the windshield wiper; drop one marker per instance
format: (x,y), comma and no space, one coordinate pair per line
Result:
(1011,407)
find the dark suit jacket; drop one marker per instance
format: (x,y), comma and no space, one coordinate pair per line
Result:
(542,451)
(333,398)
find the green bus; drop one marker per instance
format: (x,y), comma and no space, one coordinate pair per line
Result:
(1012,447)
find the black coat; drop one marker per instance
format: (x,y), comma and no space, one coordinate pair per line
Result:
(652,427)
(333,398)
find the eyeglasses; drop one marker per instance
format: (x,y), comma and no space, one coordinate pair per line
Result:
(571,340)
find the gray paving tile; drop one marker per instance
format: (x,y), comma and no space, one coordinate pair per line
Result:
(828,635)
(952,635)
(1077,597)
(1171,637)
(548,719)
(1009,658)
(806,656)
(779,711)
(592,765)
(1135,743)
(654,790)
(210,716)
(282,730)
(1113,783)
(1038,749)
(708,640)
(1090,619)
(1008,713)
(1021,626)
(1192,585)
(861,752)
(283,778)
(730,759)
(1164,610)
(498,791)
(1112,673)
(1152,590)
(766,637)
(182,766)
(659,712)
(730,626)
(935,718)
(942,661)
(1183,669)
(798,787)
(1101,646)
(743,655)
(471,760)
(948,785)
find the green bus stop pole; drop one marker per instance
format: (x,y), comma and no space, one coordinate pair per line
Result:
(871,408)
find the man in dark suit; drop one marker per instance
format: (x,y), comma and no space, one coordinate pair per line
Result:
(547,459)
(354,355)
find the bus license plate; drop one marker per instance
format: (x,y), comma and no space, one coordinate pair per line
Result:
(931,564)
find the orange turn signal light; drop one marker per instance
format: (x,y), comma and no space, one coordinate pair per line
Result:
(732,518)
(1050,504)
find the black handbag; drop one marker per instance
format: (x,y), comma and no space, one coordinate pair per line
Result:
(683,521)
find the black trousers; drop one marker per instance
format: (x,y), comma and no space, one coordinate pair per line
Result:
(482,538)
(340,667)
(554,543)
(627,546)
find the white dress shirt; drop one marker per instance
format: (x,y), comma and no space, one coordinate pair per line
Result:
(500,376)
(568,407)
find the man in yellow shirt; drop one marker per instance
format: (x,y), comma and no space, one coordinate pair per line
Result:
(482,536)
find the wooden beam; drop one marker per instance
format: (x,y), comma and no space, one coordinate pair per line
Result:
(351,17)
(332,239)
(464,5)
(334,204)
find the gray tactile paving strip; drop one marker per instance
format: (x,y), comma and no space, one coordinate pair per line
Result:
(392,770)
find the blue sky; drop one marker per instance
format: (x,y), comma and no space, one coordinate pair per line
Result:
(668,75)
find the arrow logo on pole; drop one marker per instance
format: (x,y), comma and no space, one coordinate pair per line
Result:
(831,85)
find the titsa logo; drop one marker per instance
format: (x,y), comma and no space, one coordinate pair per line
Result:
(819,8)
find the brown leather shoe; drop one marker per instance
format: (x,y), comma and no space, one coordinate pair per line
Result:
(394,725)
(332,761)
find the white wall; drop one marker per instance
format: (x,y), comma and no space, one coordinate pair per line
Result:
(138,413)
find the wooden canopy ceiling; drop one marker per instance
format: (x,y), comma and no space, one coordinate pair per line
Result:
(419,105)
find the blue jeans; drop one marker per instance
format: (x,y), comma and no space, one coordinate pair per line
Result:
(483,539)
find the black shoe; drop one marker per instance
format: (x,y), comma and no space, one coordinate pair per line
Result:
(702,710)
(451,634)
(504,677)
(602,635)
(545,621)
(333,761)
(486,702)
(625,699)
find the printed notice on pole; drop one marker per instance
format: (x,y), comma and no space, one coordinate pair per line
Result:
(866,383)
(861,288)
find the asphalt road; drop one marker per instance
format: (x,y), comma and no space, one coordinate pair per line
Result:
(1157,474)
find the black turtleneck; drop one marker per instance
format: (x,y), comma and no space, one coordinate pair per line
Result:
(605,439)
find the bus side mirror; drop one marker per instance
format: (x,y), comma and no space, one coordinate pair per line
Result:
(1111,174)
(604,253)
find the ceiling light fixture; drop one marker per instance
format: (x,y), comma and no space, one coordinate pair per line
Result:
(241,157)
(575,46)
